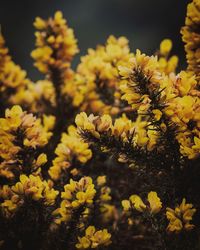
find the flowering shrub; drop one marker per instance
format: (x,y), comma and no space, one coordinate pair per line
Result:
(81,150)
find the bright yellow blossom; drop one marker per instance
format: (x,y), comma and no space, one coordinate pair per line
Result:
(165,46)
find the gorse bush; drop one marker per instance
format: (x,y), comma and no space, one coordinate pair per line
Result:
(106,156)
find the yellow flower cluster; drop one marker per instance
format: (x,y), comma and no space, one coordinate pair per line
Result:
(12,77)
(172,99)
(167,64)
(123,128)
(191,37)
(183,111)
(37,97)
(71,149)
(20,131)
(76,194)
(135,202)
(180,217)
(96,79)
(133,105)
(3,51)
(55,44)
(33,187)
(94,238)
(104,194)
(108,211)
(140,79)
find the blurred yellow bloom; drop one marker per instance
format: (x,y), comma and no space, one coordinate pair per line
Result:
(41,160)
(165,46)
(191,37)
(39,23)
(55,43)
(101,180)
(135,202)
(180,218)
(12,77)
(126,204)
(94,238)
(97,72)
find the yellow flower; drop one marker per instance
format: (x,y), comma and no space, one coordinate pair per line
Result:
(84,243)
(62,214)
(12,77)
(104,123)
(122,126)
(154,202)
(49,122)
(38,97)
(185,83)
(28,186)
(167,64)
(10,202)
(9,207)
(157,113)
(41,160)
(126,204)
(14,116)
(138,79)
(196,144)
(135,202)
(165,46)
(19,131)
(55,44)
(191,37)
(37,189)
(94,239)
(70,148)
(85,122)
(180,218)
(39,23)
(77,194)
(105,194)
(109,212)
(98,72)
(101,180)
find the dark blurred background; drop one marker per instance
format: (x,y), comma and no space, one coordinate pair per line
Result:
(144,22)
